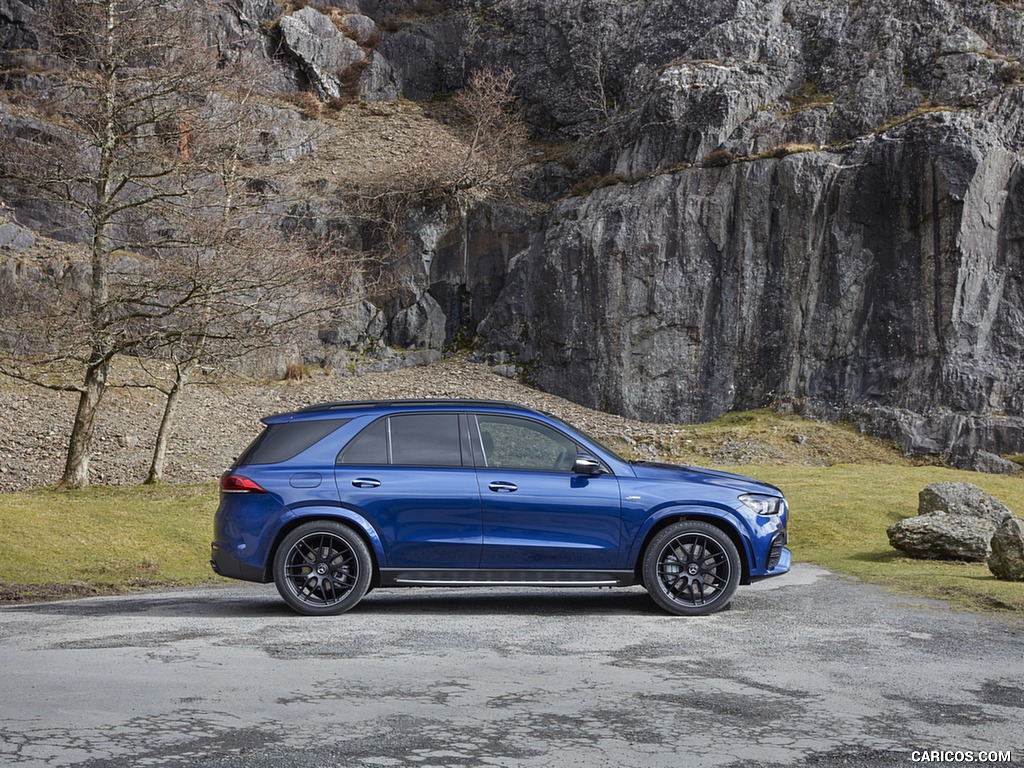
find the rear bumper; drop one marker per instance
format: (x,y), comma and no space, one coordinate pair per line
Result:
(224,564)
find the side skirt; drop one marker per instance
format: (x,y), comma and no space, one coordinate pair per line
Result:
(494,577)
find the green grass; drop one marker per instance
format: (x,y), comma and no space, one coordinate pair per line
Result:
(57,543)
(839,515)
(104,539)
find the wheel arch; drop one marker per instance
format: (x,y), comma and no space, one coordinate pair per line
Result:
(358,525)
(724,525)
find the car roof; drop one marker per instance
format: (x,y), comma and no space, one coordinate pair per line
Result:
(457,402)
(351,408)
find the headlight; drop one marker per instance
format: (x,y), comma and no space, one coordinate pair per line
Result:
(762,505)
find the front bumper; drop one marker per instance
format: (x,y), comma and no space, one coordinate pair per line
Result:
(782,566)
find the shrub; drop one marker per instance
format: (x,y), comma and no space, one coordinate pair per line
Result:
(588,185)
(790,148)
(298,371)
(1012,73)
(719,158)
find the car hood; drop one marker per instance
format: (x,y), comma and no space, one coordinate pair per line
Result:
(656,471)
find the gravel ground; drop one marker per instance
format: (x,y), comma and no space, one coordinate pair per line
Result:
(216,421)
(808,670)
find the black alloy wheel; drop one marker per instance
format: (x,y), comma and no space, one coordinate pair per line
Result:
(322,568)
(691,568)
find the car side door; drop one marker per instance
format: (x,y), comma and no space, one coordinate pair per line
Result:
(538,513)
(411,475)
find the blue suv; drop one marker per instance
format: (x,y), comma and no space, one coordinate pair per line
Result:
(336,499)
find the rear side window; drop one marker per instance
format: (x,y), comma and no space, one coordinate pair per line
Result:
(280,442)
(426,440)
(410,440)
(368,447)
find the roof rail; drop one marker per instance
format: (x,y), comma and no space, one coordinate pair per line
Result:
(446,401)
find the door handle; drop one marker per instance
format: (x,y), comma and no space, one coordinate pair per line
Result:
(502,487)
(365,482)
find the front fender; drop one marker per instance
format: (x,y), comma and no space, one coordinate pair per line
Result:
(726,519)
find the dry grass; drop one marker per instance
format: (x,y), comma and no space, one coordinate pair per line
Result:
(918,111)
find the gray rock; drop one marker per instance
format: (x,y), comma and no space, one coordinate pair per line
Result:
(354,327)
(428,57)
(955,521)
(877,280)
(322,51)
(1006,561)
(15,238)
(378,82)
(423,323)
(961,500)
(943,537)
(508,371)
(983,461)
(769,280)
(360,28)
(15,25)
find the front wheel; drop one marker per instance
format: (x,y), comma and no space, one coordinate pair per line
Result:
(691,568)
(322,568)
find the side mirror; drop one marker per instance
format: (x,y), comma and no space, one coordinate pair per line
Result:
(587,465)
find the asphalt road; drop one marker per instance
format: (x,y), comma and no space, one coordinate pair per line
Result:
(806,670)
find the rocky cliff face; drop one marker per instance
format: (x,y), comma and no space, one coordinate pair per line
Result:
(814,205)
(806,203)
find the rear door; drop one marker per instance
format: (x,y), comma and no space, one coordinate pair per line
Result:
(536,512)
(407,475)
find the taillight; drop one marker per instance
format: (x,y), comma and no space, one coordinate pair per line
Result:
(230,483)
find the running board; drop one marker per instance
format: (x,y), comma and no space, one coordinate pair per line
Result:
(498,577)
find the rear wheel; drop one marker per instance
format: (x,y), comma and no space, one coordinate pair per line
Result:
(322,568)
(691,568)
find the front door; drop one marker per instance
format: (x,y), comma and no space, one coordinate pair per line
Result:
(538,514)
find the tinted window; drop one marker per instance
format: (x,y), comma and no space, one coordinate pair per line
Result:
(280,442)
(513,443)
(426,440)
(368,447)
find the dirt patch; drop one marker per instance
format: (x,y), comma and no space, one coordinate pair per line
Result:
(217,420)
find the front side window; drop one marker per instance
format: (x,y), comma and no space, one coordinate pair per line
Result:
(509,442)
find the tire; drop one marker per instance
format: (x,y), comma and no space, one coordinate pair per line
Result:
(322,568)
(691,568)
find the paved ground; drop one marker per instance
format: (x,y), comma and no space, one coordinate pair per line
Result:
(807,670)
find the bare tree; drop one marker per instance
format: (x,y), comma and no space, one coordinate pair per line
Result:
(115,152)
(120,118)
(233,283)
(251,290)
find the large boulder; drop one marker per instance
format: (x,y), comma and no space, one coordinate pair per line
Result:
(1007,558)
(955,521)
(323,52)
(962,500)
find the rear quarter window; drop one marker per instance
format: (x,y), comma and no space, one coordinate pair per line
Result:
(280,442)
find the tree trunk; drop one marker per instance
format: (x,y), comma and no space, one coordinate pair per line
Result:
(156,467)
(76,468)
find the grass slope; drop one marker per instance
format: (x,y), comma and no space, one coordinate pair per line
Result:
(839,515)
(102,539)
